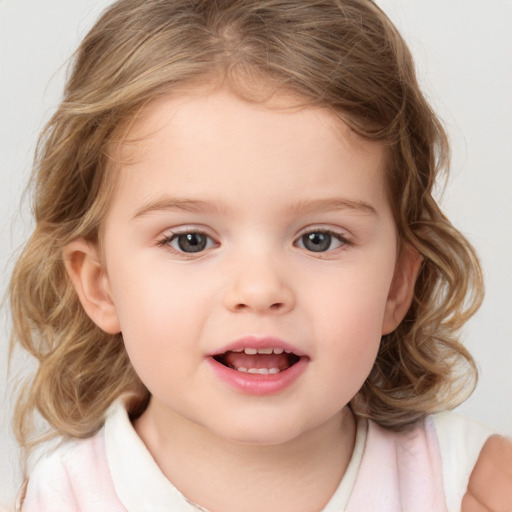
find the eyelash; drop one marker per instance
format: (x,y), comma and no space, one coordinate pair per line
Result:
(343,240)
(168,239)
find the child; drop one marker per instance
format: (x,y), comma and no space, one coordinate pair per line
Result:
(240,291)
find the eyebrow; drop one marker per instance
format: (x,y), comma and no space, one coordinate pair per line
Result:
(297,208)
(178,204)
(330,204)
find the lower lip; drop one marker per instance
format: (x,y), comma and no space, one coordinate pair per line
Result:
(257,384)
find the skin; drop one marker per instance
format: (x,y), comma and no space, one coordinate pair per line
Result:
(254,180)
(490,484)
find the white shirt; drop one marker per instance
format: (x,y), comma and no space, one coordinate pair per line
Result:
(423,470)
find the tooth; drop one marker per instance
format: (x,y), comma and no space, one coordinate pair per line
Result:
(242,369)
(263,371)
(273,371)
(278,351)
(288,351)
(237,350)
(265,351)
(250,351)
(252,370)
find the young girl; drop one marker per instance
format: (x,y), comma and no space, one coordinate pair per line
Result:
(240,291)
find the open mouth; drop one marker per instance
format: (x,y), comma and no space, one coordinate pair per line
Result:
(262,361)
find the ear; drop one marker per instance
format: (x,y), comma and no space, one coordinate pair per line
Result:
(86,271)
(401,291)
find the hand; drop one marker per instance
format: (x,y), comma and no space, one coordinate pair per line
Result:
(490,483)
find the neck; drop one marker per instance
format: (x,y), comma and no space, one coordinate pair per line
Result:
(224,476)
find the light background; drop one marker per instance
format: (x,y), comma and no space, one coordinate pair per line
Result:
(463,51)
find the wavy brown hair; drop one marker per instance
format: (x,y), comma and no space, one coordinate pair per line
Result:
(341,54)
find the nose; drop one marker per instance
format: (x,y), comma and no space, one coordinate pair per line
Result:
(259,287)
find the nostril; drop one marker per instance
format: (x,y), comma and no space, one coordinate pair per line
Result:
(259,298)
(276,306)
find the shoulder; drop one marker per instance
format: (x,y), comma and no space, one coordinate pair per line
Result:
(72,477)
(490,483)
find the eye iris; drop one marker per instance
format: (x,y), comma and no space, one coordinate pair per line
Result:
(317,242)
(192,242)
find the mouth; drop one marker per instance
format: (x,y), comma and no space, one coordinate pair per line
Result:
(261,361)
(259,365)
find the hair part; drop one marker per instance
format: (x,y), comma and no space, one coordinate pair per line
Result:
(344,55)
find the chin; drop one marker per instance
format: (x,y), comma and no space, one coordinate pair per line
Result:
(260,433)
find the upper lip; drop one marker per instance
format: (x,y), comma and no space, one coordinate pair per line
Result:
(259,342)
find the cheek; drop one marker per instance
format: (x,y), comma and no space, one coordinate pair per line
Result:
(160,308)
(350,317)
(152,290)
(354,336)
(149,309)
(355,297)
(353,342)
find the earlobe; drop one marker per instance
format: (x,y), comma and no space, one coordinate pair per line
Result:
(401,291)
(84,267)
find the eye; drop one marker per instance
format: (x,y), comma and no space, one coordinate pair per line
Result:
(321,241)
(190,242)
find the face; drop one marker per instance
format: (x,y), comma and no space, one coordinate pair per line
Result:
(249,257)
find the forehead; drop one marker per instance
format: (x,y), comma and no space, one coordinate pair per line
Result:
(185,109)
(197,138)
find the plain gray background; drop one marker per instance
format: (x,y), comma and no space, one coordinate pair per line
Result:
(463,51)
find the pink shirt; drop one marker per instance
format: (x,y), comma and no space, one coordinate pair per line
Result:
(425,470)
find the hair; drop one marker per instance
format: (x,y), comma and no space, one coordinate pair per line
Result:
(344,55)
